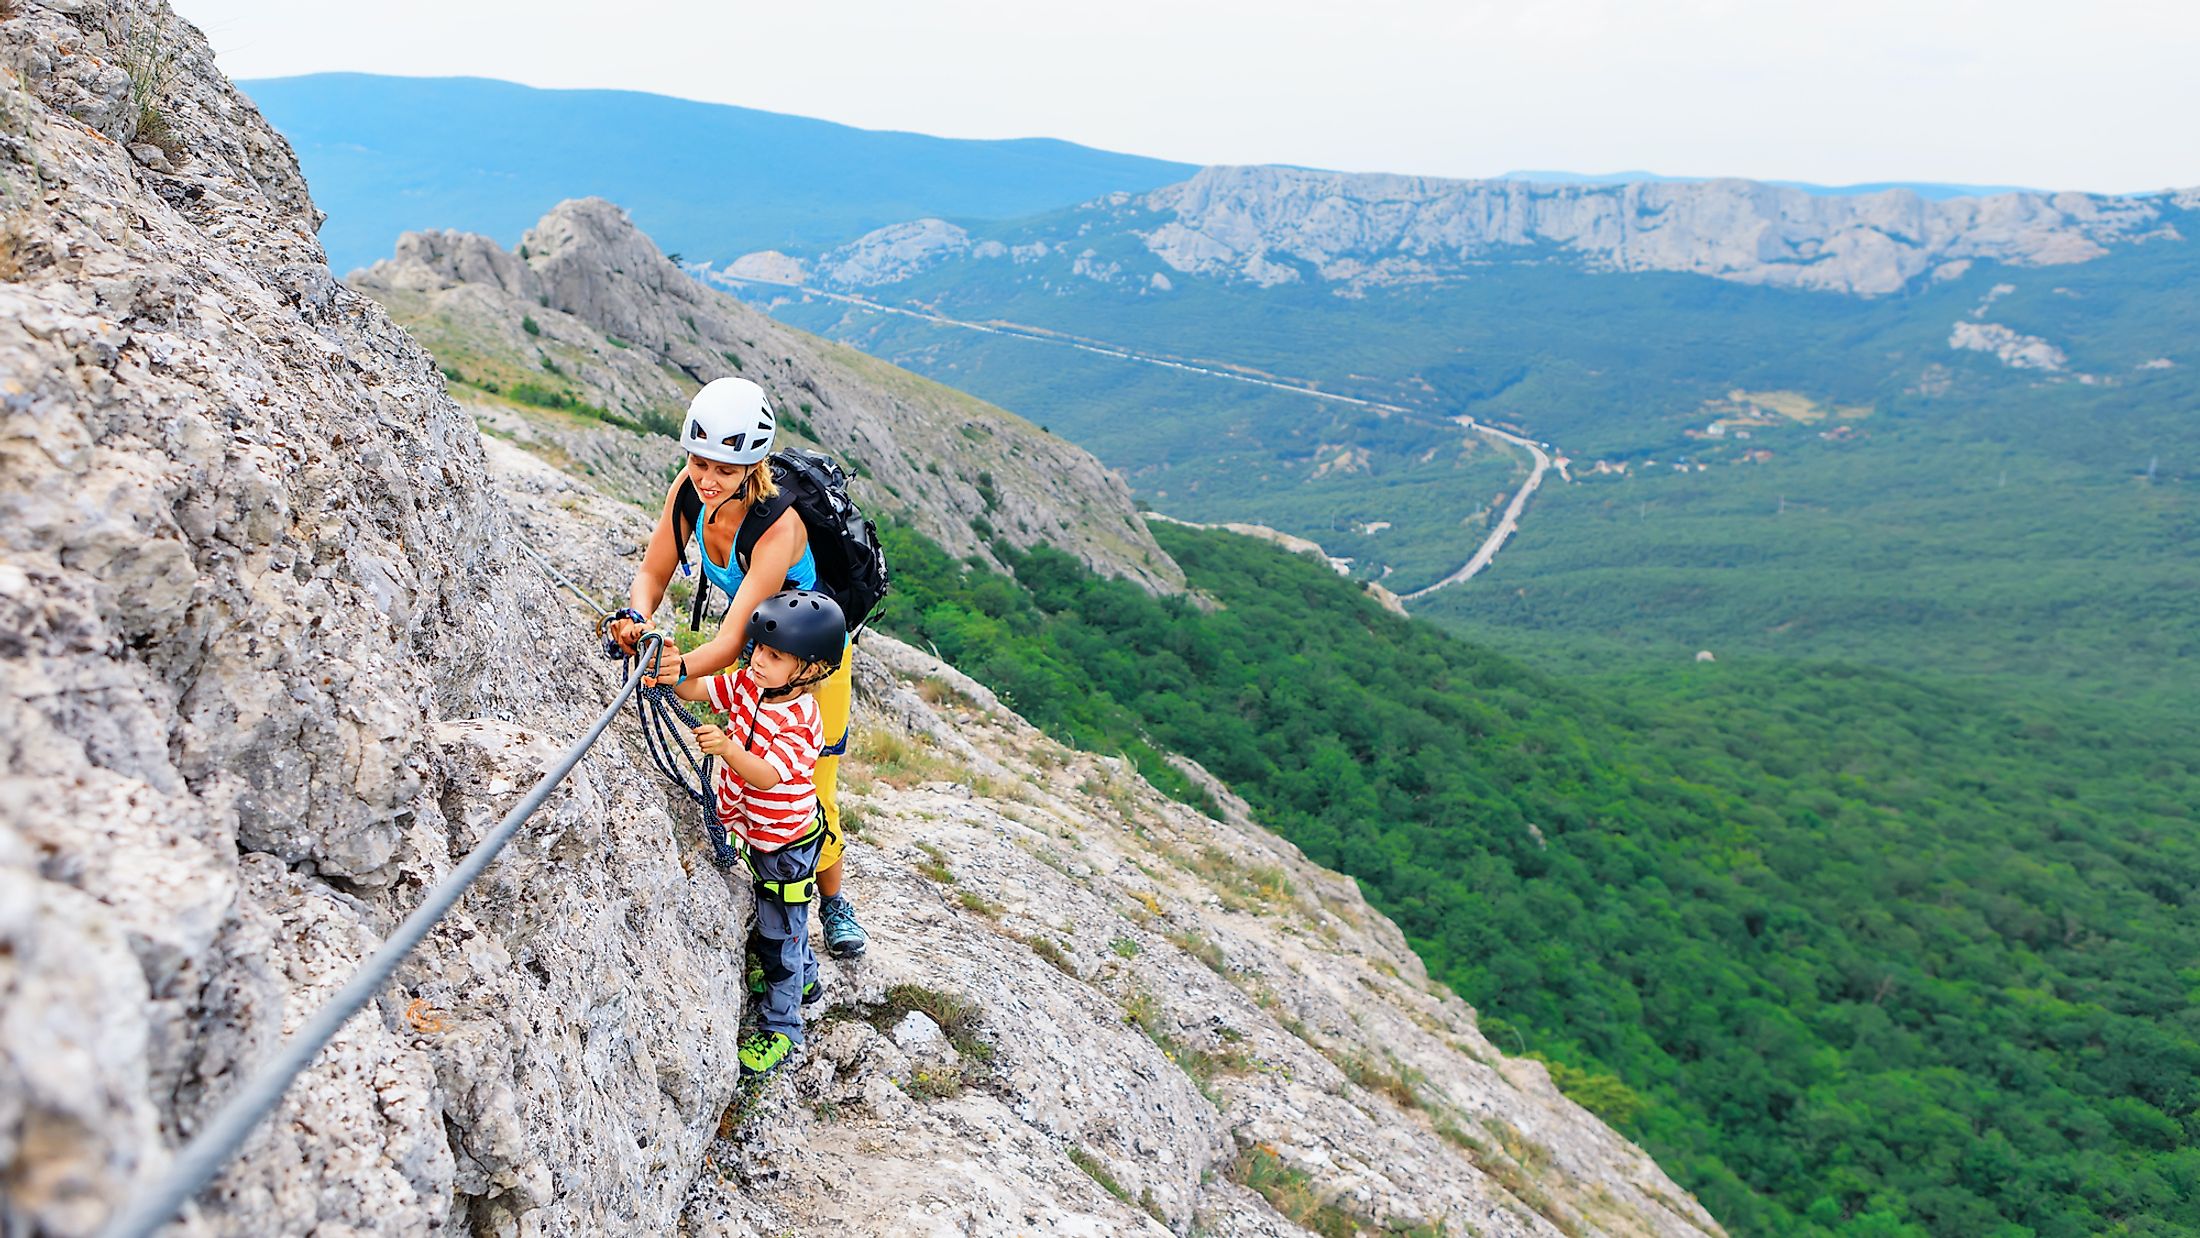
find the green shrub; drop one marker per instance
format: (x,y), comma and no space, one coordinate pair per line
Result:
(1052,953)
(1197,945)
(1098,1173)
(1291,1192)
(934,864)
(971,900)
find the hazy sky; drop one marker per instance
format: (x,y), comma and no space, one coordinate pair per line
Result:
(2077,94)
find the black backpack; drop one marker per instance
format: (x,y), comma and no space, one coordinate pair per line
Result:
(850,564)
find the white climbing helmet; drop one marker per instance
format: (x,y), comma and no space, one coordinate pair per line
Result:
(729,421)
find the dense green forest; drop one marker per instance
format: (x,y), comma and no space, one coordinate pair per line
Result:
(1852,952)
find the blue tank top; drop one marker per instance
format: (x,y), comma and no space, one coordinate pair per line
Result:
(803,575)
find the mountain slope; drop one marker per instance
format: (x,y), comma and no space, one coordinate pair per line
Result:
(388,155)
(1932,191)
(594,317)
(1141,1001)
(1852,952)
(274,663)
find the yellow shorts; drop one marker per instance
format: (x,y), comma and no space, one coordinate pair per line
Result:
(832,707)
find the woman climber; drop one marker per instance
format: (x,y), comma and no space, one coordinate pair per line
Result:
(754,544)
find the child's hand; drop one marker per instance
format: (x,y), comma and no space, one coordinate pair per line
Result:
(712,740)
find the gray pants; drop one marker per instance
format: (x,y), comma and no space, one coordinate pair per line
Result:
(781,937)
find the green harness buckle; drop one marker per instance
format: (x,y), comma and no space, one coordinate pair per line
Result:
(801,890)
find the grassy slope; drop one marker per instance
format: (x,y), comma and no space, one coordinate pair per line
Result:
(1211,450)
(1911,550)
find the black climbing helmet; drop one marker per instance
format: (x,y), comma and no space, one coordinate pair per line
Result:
(803,622)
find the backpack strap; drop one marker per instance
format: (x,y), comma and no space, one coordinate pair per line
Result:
(687,521)
(687,515)
(761,518)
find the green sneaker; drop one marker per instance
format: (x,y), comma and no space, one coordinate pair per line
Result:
(810,992)
(762,1052)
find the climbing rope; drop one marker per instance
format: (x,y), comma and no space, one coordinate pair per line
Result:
(666,727)
(666,731)
(204,1156)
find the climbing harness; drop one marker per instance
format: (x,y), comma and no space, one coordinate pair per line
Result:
(793,890)
(220,1138)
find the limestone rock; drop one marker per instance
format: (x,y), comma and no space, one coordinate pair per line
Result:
(895,252)
(2011,348)
(271,661)
(770,265)
(1269,225)
(1384,229)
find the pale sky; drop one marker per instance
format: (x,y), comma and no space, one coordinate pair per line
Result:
(2080,94)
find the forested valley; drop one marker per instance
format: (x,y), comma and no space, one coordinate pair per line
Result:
(1850,951)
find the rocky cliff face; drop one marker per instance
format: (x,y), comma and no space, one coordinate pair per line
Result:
(273,658)
(1273,225)
(272,661)
(588,304)
(1390,228)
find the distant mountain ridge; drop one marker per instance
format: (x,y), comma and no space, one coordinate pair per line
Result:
(1931,191)
(388,155)
(1274,225)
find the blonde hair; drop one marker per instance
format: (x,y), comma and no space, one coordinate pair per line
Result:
(761,486)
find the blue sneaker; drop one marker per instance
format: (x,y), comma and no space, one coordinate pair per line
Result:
(843,936)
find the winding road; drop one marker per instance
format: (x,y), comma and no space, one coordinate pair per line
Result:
(1507,525)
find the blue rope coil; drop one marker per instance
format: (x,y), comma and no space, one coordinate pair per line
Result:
(665,736)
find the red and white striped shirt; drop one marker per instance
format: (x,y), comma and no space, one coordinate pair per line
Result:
(786,734)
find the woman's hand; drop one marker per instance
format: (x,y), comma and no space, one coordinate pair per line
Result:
(627,632)
(713,741)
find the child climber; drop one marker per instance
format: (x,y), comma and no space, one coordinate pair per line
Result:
(767,753)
